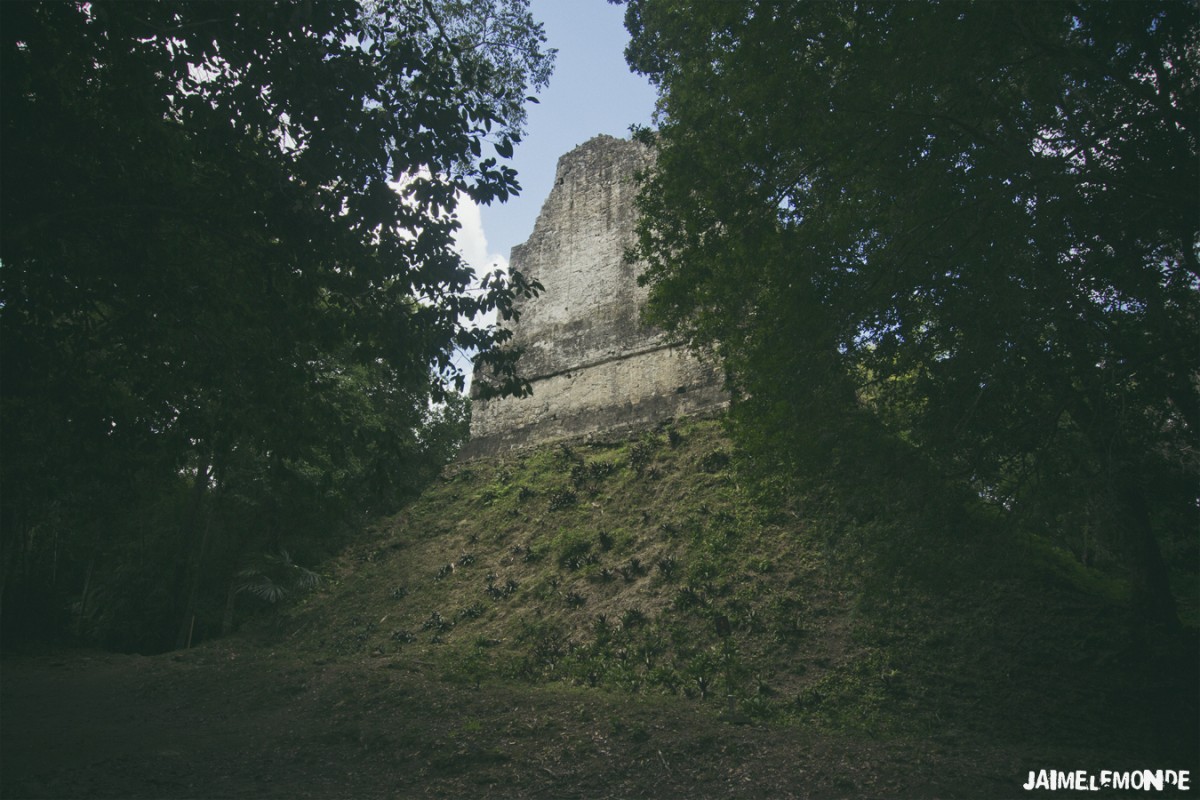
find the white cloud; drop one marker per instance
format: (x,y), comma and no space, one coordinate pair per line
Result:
(471,242)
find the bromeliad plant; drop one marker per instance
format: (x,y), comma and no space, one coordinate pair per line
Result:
(276,577)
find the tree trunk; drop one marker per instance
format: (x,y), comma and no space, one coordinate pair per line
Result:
(1151,588)
(83,598)
(8,563)
(230,602)
(187,624)
(1121,457)
(194,540)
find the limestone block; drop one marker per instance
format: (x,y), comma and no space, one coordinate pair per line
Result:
(593,365)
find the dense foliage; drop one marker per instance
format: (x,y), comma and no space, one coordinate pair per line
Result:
(944,244)
(229,288)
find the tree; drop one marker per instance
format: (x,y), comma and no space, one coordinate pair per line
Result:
(228,255)
(972,226)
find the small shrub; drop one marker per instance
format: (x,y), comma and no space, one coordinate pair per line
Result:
(473,611)
(579,561)
(639,456)
(564,498)
(578,476)
(633,570)
(664,677)
(436,623)
(566,454)
(758,707)
(702,571)
(686,598)
(602,575)
(276,577)
(500,592)
(715,461)
(632,618)
(584,474)
(599,470)
(668,567)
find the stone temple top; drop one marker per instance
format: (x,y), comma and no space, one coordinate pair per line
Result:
(594,367)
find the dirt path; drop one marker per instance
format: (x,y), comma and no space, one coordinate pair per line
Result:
(222,723)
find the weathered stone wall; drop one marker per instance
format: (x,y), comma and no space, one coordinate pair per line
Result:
(593,366)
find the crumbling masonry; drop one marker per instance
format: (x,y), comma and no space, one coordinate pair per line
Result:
(594,367)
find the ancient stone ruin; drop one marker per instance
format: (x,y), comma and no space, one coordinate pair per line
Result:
(595,368)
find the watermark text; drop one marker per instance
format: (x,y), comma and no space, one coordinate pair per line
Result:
(1080,780)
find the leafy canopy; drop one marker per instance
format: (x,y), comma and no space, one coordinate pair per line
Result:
(970,225)
(228,251)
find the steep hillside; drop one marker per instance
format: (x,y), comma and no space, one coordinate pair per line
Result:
(629,619)
(647,566)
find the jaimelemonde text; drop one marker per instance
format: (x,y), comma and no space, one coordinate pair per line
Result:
(1149,780)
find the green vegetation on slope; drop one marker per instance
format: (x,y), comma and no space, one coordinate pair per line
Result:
(619,564)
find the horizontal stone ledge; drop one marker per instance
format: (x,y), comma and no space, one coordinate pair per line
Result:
(599,362)
(514,440)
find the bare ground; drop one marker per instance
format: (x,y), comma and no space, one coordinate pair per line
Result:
(231,721)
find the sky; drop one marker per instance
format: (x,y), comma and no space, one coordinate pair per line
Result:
(591,92)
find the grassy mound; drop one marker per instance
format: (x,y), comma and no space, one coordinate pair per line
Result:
(648,566)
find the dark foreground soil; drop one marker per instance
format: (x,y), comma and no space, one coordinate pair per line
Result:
(223,721)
